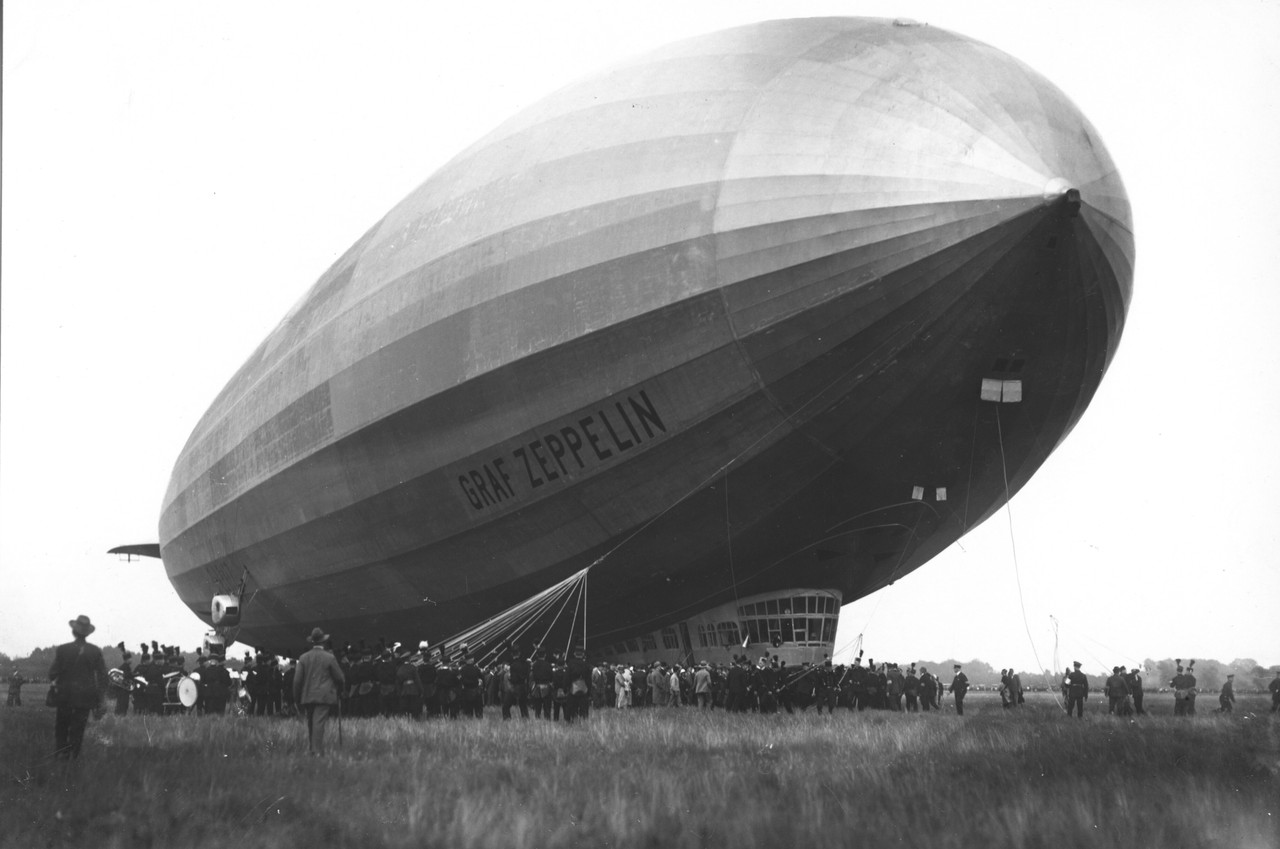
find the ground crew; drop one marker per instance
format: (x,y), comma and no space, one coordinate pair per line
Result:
(1077,690)
(1077,684)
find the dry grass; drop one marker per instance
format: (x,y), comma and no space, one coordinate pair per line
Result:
(655,777)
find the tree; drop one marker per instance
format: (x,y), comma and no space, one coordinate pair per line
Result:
(1165,671)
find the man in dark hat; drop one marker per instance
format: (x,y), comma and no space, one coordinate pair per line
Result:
(1134,682)
(929,687)
(958,687)
(895,686)
(15,689)
(1077,690)
(1116,689)
(78,677)
(911,689)
(316,685)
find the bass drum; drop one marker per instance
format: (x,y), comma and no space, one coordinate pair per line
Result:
(181,690)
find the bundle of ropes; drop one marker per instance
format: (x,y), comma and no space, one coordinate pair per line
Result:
(523,622)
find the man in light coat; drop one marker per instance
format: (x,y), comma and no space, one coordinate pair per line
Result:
(316,685)
(702,686)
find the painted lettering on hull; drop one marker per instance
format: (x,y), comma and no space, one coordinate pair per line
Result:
(554,456)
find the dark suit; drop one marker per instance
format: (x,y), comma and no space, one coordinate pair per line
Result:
(959,686)
(79,677)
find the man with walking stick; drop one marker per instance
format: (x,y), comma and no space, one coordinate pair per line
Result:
(316,685)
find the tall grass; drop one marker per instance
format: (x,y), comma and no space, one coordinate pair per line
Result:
(654,778)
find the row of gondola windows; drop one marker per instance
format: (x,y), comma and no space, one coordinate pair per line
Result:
(788,606)
(799,629)
(790,630)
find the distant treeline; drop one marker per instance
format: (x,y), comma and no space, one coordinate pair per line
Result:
(1210,674)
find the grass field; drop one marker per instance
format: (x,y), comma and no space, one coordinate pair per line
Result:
(656,778)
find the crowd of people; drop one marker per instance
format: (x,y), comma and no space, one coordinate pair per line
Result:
(394,680)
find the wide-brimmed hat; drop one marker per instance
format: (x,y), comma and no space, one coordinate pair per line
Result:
(317,636)
(82,625)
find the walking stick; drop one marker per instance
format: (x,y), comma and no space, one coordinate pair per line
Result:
(339,721)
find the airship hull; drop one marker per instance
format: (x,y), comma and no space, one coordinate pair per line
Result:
(718,321)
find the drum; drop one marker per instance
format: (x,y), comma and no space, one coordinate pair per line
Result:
(116,679)
(181,690)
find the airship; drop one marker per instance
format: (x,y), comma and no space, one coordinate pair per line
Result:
(732,333)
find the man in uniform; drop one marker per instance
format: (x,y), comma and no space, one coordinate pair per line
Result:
(1077,690)
(1274,689)
(141,671)
(959,686)
(316,684)
(858,684)
(79,678)
(121,685)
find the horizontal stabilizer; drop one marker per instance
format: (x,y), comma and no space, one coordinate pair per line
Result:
(144,549)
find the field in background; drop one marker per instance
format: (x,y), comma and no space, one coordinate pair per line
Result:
(656,778)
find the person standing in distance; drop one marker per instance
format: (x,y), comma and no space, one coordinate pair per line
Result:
(1077,690)
(316,685)
(79,680)
(1227,698)
(959,686)
(15,689)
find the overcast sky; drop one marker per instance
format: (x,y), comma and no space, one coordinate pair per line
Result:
(176,175)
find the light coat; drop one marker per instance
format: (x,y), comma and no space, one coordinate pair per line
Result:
(318,679)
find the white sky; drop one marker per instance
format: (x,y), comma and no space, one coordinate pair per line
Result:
(175,176)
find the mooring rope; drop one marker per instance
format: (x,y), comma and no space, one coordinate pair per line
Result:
(516,620)
(1013,547)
